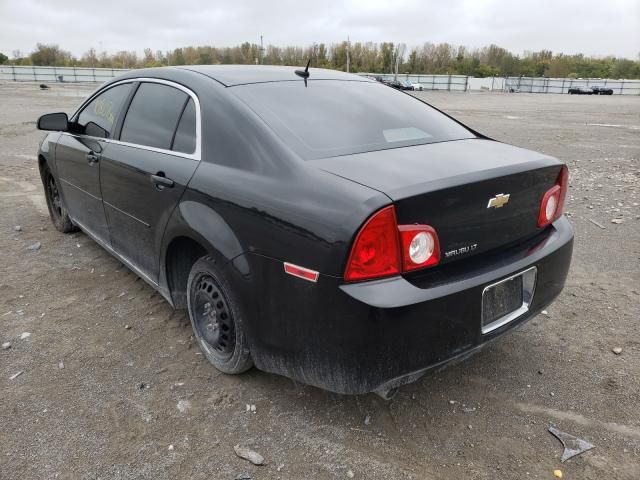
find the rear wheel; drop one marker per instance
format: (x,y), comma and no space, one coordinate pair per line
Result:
(58,213)
(217,319)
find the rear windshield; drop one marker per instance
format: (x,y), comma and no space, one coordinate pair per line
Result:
(330,118)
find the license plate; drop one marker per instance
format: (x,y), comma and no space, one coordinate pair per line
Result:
(508,299)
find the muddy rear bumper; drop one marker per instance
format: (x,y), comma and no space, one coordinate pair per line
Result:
(376,335)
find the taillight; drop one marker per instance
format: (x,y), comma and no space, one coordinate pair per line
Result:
(383,248)
(553,199)
(376,251)
(419,245)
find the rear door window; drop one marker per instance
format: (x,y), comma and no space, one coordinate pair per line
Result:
(185,138)
(153,116)
(99,117)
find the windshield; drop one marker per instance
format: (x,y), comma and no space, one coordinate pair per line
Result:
(330,118)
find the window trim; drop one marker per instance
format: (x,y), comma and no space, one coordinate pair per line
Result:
(125,110)
(196,155)
(175,130)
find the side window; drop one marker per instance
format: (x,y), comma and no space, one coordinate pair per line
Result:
(153,115)
(185,139)
(98,118)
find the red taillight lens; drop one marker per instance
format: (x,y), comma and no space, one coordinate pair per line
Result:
(553,199)
(383,248)
(419,245)
(375,252)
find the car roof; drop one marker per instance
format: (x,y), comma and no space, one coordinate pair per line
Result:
(230,75)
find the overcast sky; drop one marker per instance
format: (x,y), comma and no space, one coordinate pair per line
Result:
(593,27)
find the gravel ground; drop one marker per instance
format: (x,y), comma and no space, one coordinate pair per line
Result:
(99,400)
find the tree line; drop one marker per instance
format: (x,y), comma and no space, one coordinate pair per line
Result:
(385,57)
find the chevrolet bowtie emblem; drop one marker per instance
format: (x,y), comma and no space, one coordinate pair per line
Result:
(498,201)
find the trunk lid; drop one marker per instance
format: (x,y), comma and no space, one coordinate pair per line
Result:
(449,186)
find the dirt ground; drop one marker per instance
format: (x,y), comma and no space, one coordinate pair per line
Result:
(98,400)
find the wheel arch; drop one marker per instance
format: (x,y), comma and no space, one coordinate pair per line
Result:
(46,159)
(42,162)
(46,151)
(194,230)
(181,253)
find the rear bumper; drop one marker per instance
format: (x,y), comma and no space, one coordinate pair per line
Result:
(376,335)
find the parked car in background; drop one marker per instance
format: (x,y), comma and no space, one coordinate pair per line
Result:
(417,86)
(313,223)
(407,85)
(580,91)
(602,91)
(397,84)
(394,84)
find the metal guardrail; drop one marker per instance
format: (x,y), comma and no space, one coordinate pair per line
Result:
(461,83)
(562,85)
(24,73)
(429,82)
(515,84)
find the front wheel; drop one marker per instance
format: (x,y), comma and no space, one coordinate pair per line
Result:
(57,211)
(217,318)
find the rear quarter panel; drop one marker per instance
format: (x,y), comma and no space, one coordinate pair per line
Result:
(301,216)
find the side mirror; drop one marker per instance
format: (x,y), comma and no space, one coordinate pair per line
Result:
(57,122)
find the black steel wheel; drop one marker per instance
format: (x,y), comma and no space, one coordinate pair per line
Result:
(54,195)
(58,213)
(212,318)
(217,319)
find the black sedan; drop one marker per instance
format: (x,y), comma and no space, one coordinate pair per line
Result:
(581,91)
(407,85)
(602,91)
(315,224)
(392,83)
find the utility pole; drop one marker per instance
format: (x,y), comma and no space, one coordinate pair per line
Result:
(261,50)
(395,70)
(348,48)
(400,48)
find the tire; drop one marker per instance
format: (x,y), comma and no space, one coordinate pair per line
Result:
(217,318)
(57,211)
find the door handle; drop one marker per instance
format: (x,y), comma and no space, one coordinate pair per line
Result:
(92,158)
(161,182)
